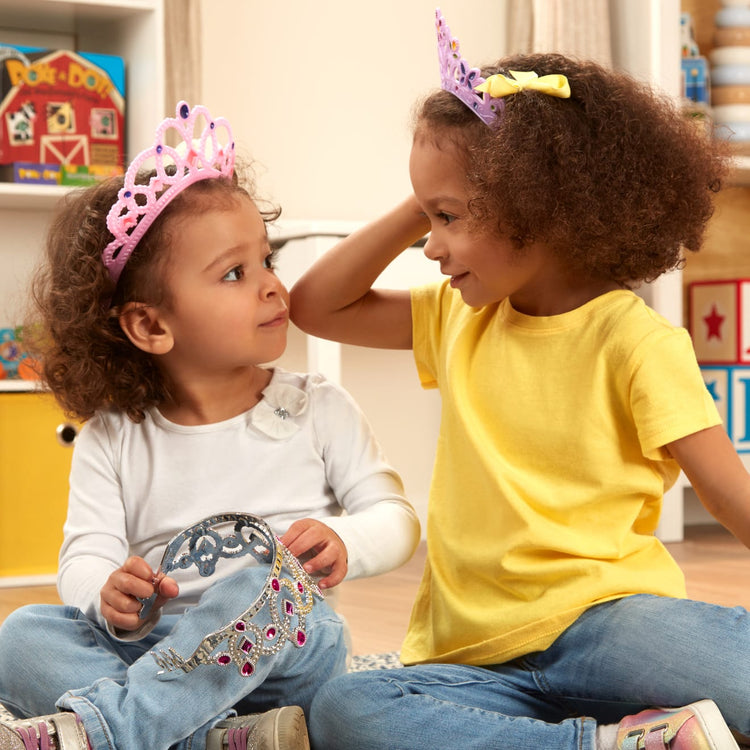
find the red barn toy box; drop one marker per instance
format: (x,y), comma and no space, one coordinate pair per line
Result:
(62,115)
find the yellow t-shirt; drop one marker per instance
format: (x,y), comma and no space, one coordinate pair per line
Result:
(550,467)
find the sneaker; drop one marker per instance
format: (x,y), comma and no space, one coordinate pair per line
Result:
(278,729)
(62,731)
(698,726)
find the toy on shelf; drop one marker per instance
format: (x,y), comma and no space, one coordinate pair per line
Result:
(719,321)
(696,85)
(15,362)
(62,115)
(730,72)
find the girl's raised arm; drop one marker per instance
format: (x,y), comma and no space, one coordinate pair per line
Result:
(334,299)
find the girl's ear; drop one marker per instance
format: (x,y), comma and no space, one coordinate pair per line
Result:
(145,327)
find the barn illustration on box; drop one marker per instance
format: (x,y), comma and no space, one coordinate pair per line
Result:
(62,115)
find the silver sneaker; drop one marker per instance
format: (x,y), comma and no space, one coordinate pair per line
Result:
(278,729)
(62,731)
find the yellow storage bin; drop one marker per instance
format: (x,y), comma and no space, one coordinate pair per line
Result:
(35,453)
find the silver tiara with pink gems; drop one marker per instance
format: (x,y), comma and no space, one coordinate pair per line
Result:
(275,618)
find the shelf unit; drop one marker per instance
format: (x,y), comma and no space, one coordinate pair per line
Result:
(131,29)
(134,30)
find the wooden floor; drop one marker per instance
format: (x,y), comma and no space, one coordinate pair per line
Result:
(717,569)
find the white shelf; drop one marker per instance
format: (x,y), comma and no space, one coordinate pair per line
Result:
(64,15)
(17,197)
(740,176)
(19,386)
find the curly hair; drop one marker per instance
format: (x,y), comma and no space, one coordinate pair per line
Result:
(86,359)
(615,179)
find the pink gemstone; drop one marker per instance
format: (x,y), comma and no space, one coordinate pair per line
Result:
(246,645)
(270,632)
(275,585)
(224,659)
(301,637)
(289,607)
(300,587)
(240,626)
(247,669)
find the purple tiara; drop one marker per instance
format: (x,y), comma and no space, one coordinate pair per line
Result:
(457,77)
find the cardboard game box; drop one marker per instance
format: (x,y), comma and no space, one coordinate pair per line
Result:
(62,115)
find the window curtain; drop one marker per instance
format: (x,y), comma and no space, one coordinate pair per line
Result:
(182,48)
(579,28)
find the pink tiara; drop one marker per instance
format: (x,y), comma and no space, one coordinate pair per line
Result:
(199,156)
(457,77)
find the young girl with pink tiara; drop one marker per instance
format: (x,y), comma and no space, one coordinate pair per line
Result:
(549,614)
(159,302)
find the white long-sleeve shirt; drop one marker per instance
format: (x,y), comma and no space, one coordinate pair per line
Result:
(304,451)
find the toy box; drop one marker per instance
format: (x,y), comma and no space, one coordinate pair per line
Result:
(62,115)
(34,469)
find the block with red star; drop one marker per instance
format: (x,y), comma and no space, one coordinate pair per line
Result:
(719,321)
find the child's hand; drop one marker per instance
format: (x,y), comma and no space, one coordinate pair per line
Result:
(328,552)
(120,607)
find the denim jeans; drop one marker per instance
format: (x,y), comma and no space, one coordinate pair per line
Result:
(53,657)
(616,659)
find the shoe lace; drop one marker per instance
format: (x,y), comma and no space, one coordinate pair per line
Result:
(33,742)
(237,738)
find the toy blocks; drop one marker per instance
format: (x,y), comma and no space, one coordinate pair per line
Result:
(730,387)
(719,322)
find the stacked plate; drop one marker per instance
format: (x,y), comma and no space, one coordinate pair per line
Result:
(730,71)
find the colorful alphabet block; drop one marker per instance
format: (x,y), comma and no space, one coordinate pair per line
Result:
(730,387)
(719,321)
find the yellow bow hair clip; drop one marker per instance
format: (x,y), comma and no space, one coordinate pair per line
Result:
(499,85)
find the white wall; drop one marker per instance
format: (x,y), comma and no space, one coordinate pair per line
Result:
(320,93)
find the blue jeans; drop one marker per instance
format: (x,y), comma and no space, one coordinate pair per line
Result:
(616,659)
(53,657)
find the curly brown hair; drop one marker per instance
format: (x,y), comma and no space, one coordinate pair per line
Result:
(616,178)
(86,359)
